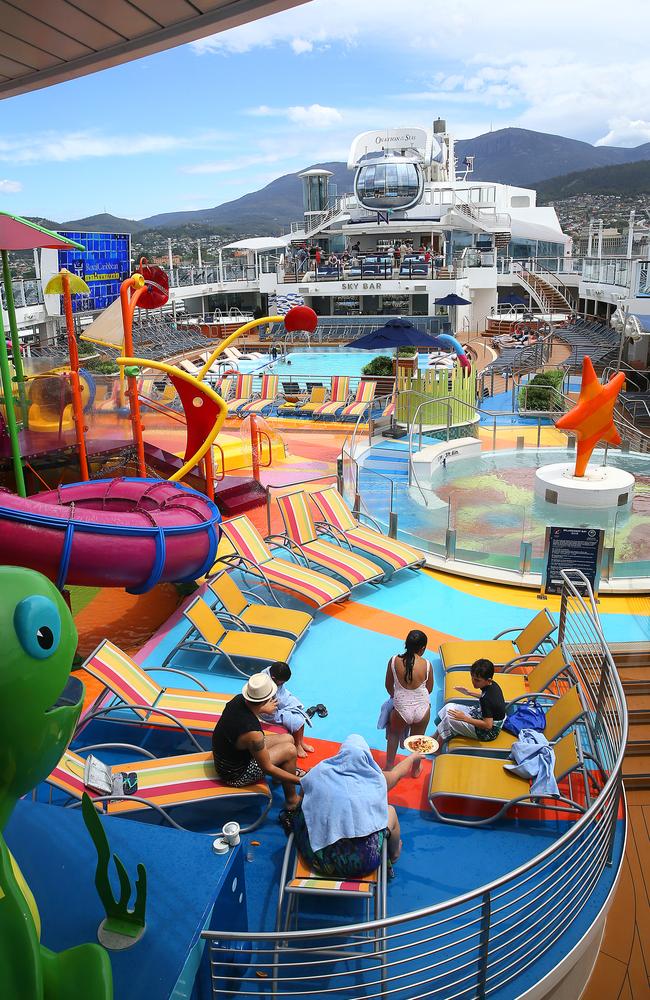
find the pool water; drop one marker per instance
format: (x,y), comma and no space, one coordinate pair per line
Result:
(308,362)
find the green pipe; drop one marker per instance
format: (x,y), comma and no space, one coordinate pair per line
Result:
(12,427)
(11,312)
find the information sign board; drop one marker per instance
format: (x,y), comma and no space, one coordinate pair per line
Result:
(572,548)
(103,265)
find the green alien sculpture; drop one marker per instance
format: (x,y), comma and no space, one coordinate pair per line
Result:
(39,707)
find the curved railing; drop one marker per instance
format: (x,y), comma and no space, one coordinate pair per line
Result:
(479,943)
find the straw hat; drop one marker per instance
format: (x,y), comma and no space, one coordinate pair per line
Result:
(259,688)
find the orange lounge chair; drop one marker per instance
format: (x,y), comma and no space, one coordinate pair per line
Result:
(317,397)
(267,398)
(514,686)
(339,396)
(253,617)
(301,536)
(245,547)
(459,654)
(163,784)
(339,522)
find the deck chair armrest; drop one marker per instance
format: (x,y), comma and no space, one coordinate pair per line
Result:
(334,531)
(236,560)
(362,513)
(500,635)
(181,673)
(231,619)
(521,661)
(117,746)
(292,547)
(147,708)
(256,597)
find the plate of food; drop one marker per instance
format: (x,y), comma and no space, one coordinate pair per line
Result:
(425,745)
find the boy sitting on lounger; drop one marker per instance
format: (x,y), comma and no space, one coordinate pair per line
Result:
(289,711)
(482,721)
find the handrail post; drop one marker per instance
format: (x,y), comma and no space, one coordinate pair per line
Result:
(484,943)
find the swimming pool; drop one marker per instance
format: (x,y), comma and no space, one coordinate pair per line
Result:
(317,362)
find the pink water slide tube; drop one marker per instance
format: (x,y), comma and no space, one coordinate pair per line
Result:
(131,533)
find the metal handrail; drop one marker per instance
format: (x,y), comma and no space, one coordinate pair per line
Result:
(474,944)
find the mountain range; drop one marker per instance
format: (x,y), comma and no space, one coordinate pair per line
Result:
(509,156)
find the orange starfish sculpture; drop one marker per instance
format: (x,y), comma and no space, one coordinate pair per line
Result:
(592,418)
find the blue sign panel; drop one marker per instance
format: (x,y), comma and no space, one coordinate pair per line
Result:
(103,265)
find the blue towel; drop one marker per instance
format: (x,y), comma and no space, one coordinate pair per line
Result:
(290,712)
(345,796)
(534,759)
(384,714)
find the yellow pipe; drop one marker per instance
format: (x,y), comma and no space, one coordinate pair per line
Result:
(233,336)
(202,388)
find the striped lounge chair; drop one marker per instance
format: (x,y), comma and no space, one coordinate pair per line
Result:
(339,396)
(223,386)
(300,535)
(243,393)
(362,401)
(135,689)
(339,522)
(163,784)
(268,396)
(246,548)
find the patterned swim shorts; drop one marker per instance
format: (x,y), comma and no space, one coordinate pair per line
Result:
(251,774)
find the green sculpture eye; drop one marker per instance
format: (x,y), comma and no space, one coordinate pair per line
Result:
(38,626)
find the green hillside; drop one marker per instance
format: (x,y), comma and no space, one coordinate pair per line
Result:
(624,179)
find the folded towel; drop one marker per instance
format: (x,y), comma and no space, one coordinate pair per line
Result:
(534,759)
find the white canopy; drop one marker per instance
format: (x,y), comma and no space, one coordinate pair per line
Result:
(260,243)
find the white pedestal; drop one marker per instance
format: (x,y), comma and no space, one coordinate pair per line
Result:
(600,487)
(431,457)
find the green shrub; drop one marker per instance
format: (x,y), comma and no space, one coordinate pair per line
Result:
(542,392)
(382,365)
(105,367)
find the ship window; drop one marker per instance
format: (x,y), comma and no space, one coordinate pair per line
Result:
(446,196)
(520,201)
(427,197)
(388,185)
(475,194)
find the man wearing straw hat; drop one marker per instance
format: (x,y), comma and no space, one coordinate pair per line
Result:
(243,753)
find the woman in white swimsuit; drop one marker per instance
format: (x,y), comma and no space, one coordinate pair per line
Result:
(409,682)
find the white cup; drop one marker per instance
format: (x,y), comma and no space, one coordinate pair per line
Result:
(230,833)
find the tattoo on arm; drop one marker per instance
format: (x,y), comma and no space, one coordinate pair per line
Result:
(258,743)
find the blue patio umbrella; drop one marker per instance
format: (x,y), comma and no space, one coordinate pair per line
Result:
(396,333)
(453,300)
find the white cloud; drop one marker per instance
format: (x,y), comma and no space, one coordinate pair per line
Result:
(300,45)
(509,58)
(624,132)
(10,187)
(315,116)
(227,166)
(61,147)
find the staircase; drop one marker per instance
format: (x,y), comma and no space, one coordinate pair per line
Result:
(633,663)
(549,299)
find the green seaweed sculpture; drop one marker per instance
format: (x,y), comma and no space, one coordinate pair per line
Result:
(122,927)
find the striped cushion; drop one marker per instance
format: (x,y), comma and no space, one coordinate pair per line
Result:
(315,587)
(352,568)
(167,782)
(340,388)
(244,387)
(297,518)
(269,386)
(246,539)
(365,392)
(343,885)
(354,410)
(397,554)
(121,675)
(333,508)
(199,711)
(329,409)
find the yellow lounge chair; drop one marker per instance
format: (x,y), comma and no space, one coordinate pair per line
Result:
(216,639)
(301,536)
(135,689)
(256,617)
(514,686)
(460,654)
(562,714)
(248,549)
(268,396)
(317,397)
(163,784)
(485,780)
(339,522)
(339,396)
(243,393)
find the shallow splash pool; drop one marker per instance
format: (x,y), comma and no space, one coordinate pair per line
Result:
(489,502)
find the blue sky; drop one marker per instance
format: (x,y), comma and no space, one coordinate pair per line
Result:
(205,123)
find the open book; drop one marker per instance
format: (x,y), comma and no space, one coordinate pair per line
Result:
(100,778)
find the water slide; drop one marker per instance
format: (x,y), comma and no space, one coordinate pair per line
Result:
(131,533)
